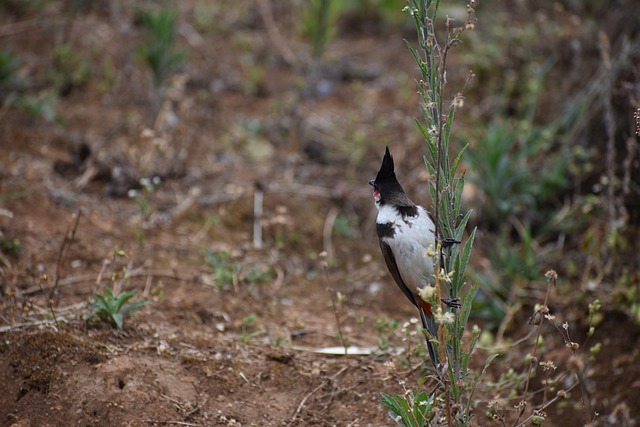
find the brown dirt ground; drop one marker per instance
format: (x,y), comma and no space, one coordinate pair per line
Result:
(186,358)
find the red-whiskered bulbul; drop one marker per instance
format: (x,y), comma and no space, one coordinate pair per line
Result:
(407,239)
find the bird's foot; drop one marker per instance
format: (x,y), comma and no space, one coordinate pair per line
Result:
(453,302)
(448,242)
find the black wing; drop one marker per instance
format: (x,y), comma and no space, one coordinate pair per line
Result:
(390,260)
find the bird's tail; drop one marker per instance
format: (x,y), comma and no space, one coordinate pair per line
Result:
(429,323)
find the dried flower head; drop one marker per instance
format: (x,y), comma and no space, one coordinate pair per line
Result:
(448,318)
(521,405)
(458,101)
(426,293)
(548,366)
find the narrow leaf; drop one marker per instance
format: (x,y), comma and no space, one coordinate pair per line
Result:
(466,252)
(467,355)
(468,301)
(118,319)
(456,161)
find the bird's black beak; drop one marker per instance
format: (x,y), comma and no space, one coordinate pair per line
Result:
(372,183)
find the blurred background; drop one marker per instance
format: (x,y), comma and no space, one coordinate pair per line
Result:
(226,146)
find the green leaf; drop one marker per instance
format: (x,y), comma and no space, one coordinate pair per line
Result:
(466,252)
(399,408)
(132,306)
(456,161)
(487,363)
(101,301)
(416,57)
(463,224)
(432,190)
(435,10)
(118,319)
(467,355)
(420,405)
(457,199)
(468,301)
(424,133)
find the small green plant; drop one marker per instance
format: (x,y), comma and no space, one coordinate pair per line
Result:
(319,24)
(410,410)
(384,326)
(115,307)
(225,272)
(9,64)
(70,71)
(250,329)
(257,274)
(10,246)
(41,106)
(158,50)
(13,88)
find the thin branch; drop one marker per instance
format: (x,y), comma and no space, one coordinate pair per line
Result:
(266,13)
(69,236)
(334,303)
(559,395)
(543,310)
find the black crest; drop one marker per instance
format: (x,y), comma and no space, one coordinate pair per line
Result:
(389,188)
(386,174)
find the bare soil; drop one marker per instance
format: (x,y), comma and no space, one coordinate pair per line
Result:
(194,356)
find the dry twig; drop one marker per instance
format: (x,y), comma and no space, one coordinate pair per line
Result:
(312,392)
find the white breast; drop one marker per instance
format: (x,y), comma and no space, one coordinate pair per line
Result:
(413,245)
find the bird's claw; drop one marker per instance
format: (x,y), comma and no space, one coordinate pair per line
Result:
(453,302)
(448,242)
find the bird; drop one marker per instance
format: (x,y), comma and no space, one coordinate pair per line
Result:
(407,237)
